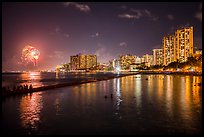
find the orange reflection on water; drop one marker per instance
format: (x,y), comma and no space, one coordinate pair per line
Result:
(31,75)
(189,98)
(30,108)
(160,85)
(187,92)
(32,78)
(169,92)
(196,90)
(150,85)
(183,89)
(196,81)
(88,91)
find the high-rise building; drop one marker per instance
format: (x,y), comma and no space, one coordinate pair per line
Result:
(74,61)
(178,47)
(91,61)
(157,56)
(82,61)
(184,43)
(126,60)
(147,60)
(169,51)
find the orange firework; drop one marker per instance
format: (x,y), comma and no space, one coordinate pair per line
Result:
(30,54)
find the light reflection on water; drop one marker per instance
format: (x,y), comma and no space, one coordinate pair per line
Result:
(118,95)
(169,94)
(57,106)
(141,104)
(160,85)
(138,91)
(196,92)
(31,78)
(30,108)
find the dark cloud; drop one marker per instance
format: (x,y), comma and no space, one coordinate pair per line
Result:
(123,44)
(170,16)
(81,7)
(138,13)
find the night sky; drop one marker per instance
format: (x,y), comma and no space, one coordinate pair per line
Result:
(59,30)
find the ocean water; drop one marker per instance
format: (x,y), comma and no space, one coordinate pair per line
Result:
(141,104)
(38,79)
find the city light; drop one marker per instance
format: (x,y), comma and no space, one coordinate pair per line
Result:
(101,68)
(117,69)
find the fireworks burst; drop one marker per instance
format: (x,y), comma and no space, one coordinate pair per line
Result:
(30,54)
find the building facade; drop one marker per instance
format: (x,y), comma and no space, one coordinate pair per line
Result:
(91,61)
(126,60)
(157,56)
(184,43)
(82,61)
(147,60)
(169,50)
(74,62)
(178,47)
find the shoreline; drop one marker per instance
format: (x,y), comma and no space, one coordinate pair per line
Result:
(73,83)
(100,78)
(172,73)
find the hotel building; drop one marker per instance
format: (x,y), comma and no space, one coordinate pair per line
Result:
(147,60)
(126,60)
(82,61)
(178,47)
(184,43)
(169,50)
(157,56)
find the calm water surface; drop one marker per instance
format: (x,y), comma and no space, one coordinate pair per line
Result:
(38,79)
(161,104)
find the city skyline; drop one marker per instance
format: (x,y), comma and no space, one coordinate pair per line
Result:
(61,30)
